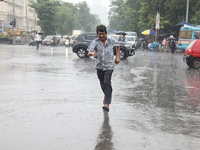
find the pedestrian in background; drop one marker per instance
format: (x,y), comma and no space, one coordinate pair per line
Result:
(172,43)
(124,39)
(145,44)
(38,40)
(101,48)
(164,44)
(172,46)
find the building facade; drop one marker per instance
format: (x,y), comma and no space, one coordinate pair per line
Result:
(25,16)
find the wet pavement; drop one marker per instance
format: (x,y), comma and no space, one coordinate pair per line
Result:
(51,100)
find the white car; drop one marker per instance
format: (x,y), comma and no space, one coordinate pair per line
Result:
(132,41)
(116,37)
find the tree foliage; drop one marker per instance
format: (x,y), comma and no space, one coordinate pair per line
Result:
(85,20)
(139,15)
(46,12)
(57,17)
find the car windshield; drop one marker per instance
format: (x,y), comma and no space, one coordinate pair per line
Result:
(115,37)
(130,38)
(131,33)
(49,37)
(190,45)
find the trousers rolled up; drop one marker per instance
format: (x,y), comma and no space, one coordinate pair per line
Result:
(105,83)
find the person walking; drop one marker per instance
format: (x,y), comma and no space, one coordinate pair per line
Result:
(38,40)
(173,46)
(101,48)
(145,45)
(164,44)
(172,43)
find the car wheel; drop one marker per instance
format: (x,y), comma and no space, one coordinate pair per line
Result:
(196,63)
(81,52)
(123,54)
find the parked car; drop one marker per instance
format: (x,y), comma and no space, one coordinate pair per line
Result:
(48,40)
(83,40)
(130,41)
(72,40)
(52,40)
(3,32)
(133,41)
(56,40)
(18,39)
(116,37)
(192,54)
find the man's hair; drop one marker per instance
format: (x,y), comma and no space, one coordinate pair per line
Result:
(101,28)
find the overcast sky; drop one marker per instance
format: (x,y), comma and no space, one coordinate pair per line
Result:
(90,2)
(76,1)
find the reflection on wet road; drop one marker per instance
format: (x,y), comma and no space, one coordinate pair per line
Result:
(53,98)
(105,136)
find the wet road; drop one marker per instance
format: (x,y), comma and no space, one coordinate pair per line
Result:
(51,100)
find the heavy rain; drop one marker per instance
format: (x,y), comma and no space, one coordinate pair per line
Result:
(51,99)
(50,94)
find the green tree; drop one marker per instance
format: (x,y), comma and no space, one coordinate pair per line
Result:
(138,15)
(147,14)
(116,15)
(132,15)
(57,17)
(65,18)
(46,12)
(194,12)
(84,19)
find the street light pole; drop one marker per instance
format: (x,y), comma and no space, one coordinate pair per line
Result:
(187,11)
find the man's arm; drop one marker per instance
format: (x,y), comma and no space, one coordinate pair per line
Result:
(117,59)
(91,49)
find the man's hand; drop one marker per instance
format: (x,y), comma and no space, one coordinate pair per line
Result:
(95,55)
(117,60)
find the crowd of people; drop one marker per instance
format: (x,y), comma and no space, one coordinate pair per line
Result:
(167,44)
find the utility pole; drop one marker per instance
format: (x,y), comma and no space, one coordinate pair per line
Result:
(13,22)
(187,9)
(27,25)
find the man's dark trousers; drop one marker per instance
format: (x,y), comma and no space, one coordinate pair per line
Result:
(105,82)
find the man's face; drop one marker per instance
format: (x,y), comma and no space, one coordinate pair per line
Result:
(102,36)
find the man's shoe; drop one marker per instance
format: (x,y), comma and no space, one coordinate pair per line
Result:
(106,108)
